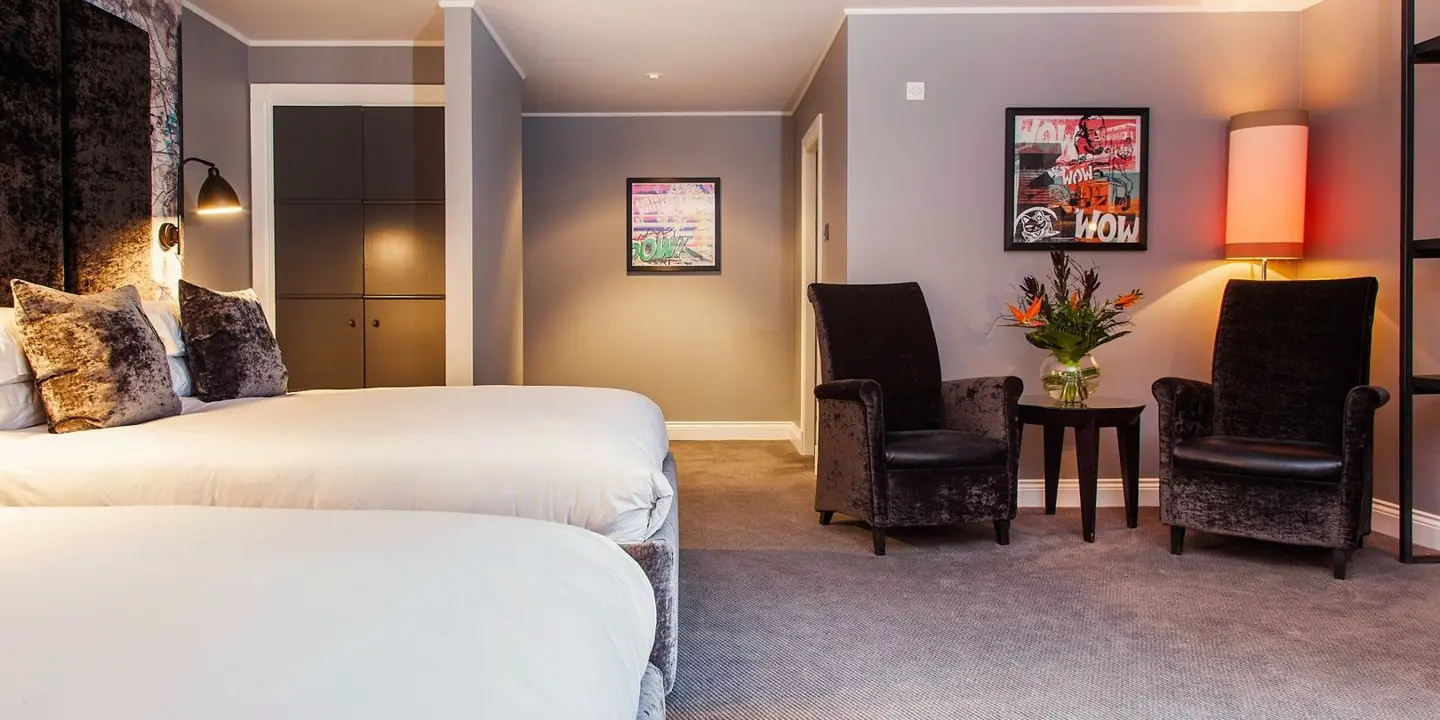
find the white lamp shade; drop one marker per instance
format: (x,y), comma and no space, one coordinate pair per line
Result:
(1265,211)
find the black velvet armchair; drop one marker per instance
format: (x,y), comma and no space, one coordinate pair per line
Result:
(1279,447)
(897,446)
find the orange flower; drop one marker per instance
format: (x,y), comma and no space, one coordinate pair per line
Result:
(1030,317)
(1074,301)
(1128,300)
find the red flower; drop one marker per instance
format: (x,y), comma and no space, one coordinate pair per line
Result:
(1128,300)
(1028,318)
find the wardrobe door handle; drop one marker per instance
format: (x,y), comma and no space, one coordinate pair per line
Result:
(352,322)
(375,323)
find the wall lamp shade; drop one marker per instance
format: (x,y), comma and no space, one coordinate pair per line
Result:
(1265,210)
(217,197)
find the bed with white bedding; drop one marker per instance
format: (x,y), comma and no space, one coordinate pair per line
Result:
(225,613)
(589,457)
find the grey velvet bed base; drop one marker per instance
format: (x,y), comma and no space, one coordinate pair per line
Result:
(652,695)
(659,557)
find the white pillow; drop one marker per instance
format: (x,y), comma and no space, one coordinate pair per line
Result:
(20,405)
(13,365)
(165,316)
(180,377)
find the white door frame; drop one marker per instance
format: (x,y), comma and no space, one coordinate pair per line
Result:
(812,255)
(263,100)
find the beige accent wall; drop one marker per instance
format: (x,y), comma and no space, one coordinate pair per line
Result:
(1352,87)
(705,347)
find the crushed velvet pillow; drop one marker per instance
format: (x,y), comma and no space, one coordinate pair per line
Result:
(232,351)
(98,362)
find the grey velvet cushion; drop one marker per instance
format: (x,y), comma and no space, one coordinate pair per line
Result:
(232,351)
(98,362)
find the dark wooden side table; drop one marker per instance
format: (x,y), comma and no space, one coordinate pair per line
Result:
(1087,419)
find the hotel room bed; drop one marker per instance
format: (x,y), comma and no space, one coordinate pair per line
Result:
(173,612)
(587,457)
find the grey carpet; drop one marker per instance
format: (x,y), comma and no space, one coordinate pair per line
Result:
(782,618)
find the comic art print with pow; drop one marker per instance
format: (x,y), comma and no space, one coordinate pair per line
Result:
(1078,179)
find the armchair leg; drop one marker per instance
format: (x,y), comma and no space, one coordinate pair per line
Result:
(826,516)
(1002,532)
(1342,563)
(1360,544)
(879,534)
(1177,540)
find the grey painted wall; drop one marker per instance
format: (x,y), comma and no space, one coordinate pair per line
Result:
(1354,205)
(828,95)
(705,347)
(926,179)
(348,65)
(215,125)
(498,258)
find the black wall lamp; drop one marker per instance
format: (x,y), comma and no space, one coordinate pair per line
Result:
(216,197)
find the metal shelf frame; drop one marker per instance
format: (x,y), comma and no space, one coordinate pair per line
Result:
(1424,53)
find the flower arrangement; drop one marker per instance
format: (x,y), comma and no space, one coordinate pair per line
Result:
(1068,319)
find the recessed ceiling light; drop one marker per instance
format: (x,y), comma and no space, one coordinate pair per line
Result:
(653,75)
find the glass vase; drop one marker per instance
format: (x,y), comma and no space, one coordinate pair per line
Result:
(1070,383)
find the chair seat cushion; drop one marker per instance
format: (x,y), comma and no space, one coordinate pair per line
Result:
(1260,458)
(941,449)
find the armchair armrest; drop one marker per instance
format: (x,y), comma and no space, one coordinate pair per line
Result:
(851,462)
(1359,435)
(860,401)
(1187,410)
(984,406)
(862,391)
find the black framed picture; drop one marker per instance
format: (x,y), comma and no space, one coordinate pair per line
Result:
(674,225)
(1078,178)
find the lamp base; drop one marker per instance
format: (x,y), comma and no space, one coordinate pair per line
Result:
(169,236)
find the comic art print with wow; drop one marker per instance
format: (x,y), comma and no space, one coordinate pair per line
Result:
(674,225)
(1077,179)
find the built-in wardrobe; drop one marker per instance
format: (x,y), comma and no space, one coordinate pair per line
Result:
(360,245)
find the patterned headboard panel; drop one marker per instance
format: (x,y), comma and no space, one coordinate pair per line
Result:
(89,143)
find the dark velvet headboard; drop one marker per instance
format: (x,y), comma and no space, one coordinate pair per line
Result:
(89,138)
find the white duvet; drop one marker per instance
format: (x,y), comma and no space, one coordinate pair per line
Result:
(174,613)
(581,456)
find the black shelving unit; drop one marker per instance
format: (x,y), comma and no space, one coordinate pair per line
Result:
(1411,249)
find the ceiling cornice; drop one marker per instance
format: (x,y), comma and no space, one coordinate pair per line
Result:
(1213,6)
(494,35)
(677,114)
(217,22)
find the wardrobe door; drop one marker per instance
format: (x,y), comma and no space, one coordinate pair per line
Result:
(318,154)
(404,249)
(405,154)
(319,249)
(322,342)
(404,342)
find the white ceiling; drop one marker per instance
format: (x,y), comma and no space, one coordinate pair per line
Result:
(592,55)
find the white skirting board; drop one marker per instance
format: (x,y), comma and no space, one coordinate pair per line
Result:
(716,431)
(1386,521)
(1111,493)
(1386,518)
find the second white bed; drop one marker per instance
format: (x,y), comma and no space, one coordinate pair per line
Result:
(587,457)
(234,614)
